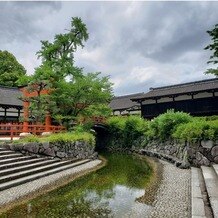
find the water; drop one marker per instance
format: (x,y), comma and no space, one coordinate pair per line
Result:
(110,192)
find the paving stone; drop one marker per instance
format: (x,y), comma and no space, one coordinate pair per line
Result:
(173,199)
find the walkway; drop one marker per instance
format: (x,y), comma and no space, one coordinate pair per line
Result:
(173,199)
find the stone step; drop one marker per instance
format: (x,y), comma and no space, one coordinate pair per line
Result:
(8,156)
(215,167)
(4,152)
(32,171)
(16,159)
(197,202)
(211,182)
(3,149)
(27,167)
(20,163)
(38,175)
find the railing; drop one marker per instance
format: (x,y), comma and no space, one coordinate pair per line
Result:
(14,130)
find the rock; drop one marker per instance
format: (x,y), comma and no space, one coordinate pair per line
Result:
(185,165)
(49,152)
(46,133)
(25,134)
(214,151)
(61,154)
(204,161)
(215,160)
(45,145)
(199,156)
(207,143)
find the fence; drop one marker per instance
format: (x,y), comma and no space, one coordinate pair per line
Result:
(13,130)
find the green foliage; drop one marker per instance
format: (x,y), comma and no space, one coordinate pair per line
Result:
(10,69)
(197,130)
(213,47)
(31,138)
(164,125)
(70,137)
(127,129)
(86,95)
(73,93)
(62,138)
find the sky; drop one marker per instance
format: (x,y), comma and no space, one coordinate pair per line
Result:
(138,44)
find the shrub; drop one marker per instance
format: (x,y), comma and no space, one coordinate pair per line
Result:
(124,130)
(197,130)
(62,138)
(116,125)
(163,126)
(31,138)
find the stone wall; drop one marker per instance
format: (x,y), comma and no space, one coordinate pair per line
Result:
(195,154)
(78,149)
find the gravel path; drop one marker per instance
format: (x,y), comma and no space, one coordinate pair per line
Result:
(12,194)
(173,198)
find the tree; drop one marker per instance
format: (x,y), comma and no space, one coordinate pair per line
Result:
(59,55)
(71,92)
(213,47)
(10,69)
(87,95)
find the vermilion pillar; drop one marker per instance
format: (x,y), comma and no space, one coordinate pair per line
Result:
(47,122)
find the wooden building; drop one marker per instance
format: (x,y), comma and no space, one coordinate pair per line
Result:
(198,98)
(10,104)
(122,105)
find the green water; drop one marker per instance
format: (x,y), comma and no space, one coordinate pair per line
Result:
(109,192)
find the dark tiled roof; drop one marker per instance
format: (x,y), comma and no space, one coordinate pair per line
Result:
(9,96)
(124,102)
(185,88)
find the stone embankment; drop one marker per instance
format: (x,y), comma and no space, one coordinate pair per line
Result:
(78,149)
(202,153)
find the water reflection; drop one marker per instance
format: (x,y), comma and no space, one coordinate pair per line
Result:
(110,192)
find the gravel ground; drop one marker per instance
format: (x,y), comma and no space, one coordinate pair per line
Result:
(173,198)
(13,194)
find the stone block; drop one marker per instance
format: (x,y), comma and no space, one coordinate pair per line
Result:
(199,156)
(214,151)
(215,160)
(207,143)
(45,145)
(204,162)
(49,152)
(61,154)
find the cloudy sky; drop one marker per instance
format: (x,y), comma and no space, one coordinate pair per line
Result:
(139,44)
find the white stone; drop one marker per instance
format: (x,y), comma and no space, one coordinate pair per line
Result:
(46,133)
(25,134)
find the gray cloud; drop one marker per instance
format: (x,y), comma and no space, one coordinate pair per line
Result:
(139,44)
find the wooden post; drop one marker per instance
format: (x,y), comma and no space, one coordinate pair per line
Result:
(25,116)
(47,122)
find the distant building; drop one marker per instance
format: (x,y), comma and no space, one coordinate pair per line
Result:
(198,98)
(122,105)
(10,104)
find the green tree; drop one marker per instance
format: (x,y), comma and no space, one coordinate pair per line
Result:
(86,95)
(213,47)
(59,54)
(72,93)
(10,69)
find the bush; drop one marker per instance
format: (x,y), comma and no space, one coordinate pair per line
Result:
(125,130)
(62,138)
(163,126)
(197,130)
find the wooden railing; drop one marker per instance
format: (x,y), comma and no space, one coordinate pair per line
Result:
(13,130)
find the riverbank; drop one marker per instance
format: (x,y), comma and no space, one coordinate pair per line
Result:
(22,193)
